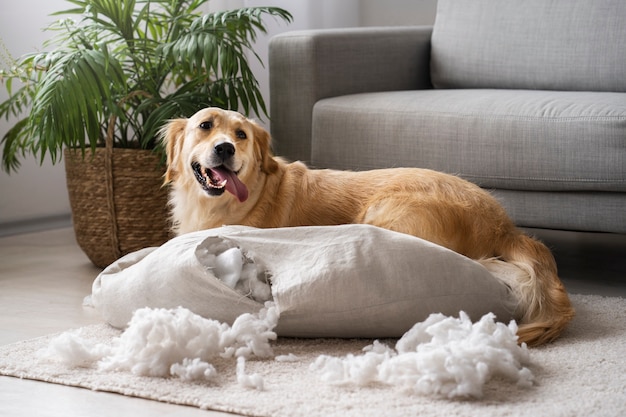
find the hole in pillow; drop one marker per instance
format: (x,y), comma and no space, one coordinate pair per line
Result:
(238,271)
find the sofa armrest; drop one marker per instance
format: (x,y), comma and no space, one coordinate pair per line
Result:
(306,66)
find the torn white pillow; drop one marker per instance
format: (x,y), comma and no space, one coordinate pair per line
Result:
(328,281)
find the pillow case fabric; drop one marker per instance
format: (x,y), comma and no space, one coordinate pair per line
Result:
(327,281)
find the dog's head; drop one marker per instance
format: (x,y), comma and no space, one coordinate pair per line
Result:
(220,150)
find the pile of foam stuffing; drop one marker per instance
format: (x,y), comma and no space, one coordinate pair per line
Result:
(442,356)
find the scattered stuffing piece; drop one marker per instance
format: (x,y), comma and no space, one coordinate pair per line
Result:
(248,380)
(287,358)
(442,356)
(193,370)
(250,334)
(74,350)
(177,342)
(87,301)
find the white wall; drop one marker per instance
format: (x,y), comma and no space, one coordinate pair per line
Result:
(33,192)
(326,14)
(37,194)
(397,12)
(307,14)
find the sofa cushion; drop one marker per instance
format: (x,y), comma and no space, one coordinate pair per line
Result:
(573,210)
(535,44)
(509,139)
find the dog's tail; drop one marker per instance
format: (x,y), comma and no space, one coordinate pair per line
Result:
(528,267)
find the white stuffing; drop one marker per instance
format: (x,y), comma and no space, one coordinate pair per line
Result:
(236,270)
(193,370)
(74,349)
(228,266)
(176,342)
(254,284)
(442,356)
(250,334)
(87,301)
(287,358)
(248,380)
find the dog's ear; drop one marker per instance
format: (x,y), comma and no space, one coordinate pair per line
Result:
(263,149)
(172,136)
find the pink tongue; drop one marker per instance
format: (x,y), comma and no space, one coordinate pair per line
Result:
(233,185)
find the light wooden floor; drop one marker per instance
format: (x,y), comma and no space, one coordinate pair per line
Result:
(44,278)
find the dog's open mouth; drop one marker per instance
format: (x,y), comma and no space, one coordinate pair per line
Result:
(219,179)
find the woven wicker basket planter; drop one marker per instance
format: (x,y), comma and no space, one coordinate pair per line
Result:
(118,202)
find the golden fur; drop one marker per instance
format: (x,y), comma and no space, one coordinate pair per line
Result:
(434,206)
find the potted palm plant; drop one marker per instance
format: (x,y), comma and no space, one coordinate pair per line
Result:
(100,95)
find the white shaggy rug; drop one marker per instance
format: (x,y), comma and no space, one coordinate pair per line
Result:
(581,374)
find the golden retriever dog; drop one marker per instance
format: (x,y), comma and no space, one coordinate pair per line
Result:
(222,172)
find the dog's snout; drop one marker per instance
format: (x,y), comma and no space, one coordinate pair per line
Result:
(225,150)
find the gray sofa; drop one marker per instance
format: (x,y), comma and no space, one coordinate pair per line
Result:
(525,98)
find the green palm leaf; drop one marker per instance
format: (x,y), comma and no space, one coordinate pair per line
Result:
(135,64)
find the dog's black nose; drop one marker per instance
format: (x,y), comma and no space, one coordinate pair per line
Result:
(224,150)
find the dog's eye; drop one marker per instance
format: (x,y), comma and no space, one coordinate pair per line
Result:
(206,125)
(240,134)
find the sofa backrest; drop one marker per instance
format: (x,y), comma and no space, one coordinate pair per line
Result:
(571,45)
